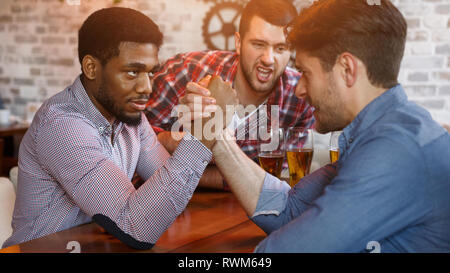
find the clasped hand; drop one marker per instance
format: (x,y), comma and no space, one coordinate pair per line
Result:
(206,112)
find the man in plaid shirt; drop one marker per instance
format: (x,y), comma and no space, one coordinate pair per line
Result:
(257,70)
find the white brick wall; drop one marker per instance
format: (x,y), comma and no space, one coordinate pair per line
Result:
(425,70)
(38,40)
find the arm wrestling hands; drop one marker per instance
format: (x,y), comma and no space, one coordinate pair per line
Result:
(197,104)
(201,111)
(208,108)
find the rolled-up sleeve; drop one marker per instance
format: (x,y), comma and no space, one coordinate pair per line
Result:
(273,197)
(278,203)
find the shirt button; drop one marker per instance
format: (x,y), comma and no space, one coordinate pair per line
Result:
(205,162)
(350,140)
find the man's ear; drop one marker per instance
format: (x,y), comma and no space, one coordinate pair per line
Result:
(237,42)
(348,65)
(91,67)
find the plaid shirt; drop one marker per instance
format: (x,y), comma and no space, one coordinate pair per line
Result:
(71,171)
(170,84)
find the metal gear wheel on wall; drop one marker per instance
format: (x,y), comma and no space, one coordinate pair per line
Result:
(220,24)
(218,30)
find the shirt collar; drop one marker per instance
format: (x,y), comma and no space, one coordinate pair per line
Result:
(91,112)
(374,111)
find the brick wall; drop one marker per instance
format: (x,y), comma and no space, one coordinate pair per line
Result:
(38,45)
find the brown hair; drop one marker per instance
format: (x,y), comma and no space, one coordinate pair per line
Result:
(276,12)
(375,34)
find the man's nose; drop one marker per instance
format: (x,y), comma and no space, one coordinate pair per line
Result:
(144,84)
(268,57)
(300,89)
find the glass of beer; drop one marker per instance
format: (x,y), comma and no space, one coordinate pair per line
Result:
(334,146)
(271,151)
(299,146)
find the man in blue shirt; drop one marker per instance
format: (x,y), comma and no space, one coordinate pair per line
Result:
(390,187)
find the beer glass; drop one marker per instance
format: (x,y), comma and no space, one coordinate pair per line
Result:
(271,151)
(299,147)
(334,146)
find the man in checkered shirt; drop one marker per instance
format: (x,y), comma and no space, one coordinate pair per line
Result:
(257,70)
(85,143)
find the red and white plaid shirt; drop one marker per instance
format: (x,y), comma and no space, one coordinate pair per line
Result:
(170,84)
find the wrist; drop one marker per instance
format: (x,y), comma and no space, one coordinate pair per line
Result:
(221,146)
(211,178)
(170,139)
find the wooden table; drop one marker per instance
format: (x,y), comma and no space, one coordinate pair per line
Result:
(212,222)
(13,129)
(10,137)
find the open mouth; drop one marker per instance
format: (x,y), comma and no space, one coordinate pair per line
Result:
(264,74)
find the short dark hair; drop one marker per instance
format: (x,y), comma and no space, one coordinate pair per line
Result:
(376,34)
(104,30)
(276,12)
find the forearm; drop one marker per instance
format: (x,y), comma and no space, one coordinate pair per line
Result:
(279,204)
(211,178)
(244,176)
(145,215)
(166,193)
(139,217)
(170,140)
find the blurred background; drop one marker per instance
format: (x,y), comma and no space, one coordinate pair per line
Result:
(38,44)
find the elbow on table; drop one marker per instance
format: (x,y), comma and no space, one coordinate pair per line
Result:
(112,228)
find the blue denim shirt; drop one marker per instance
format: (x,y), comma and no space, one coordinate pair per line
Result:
(391,185)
